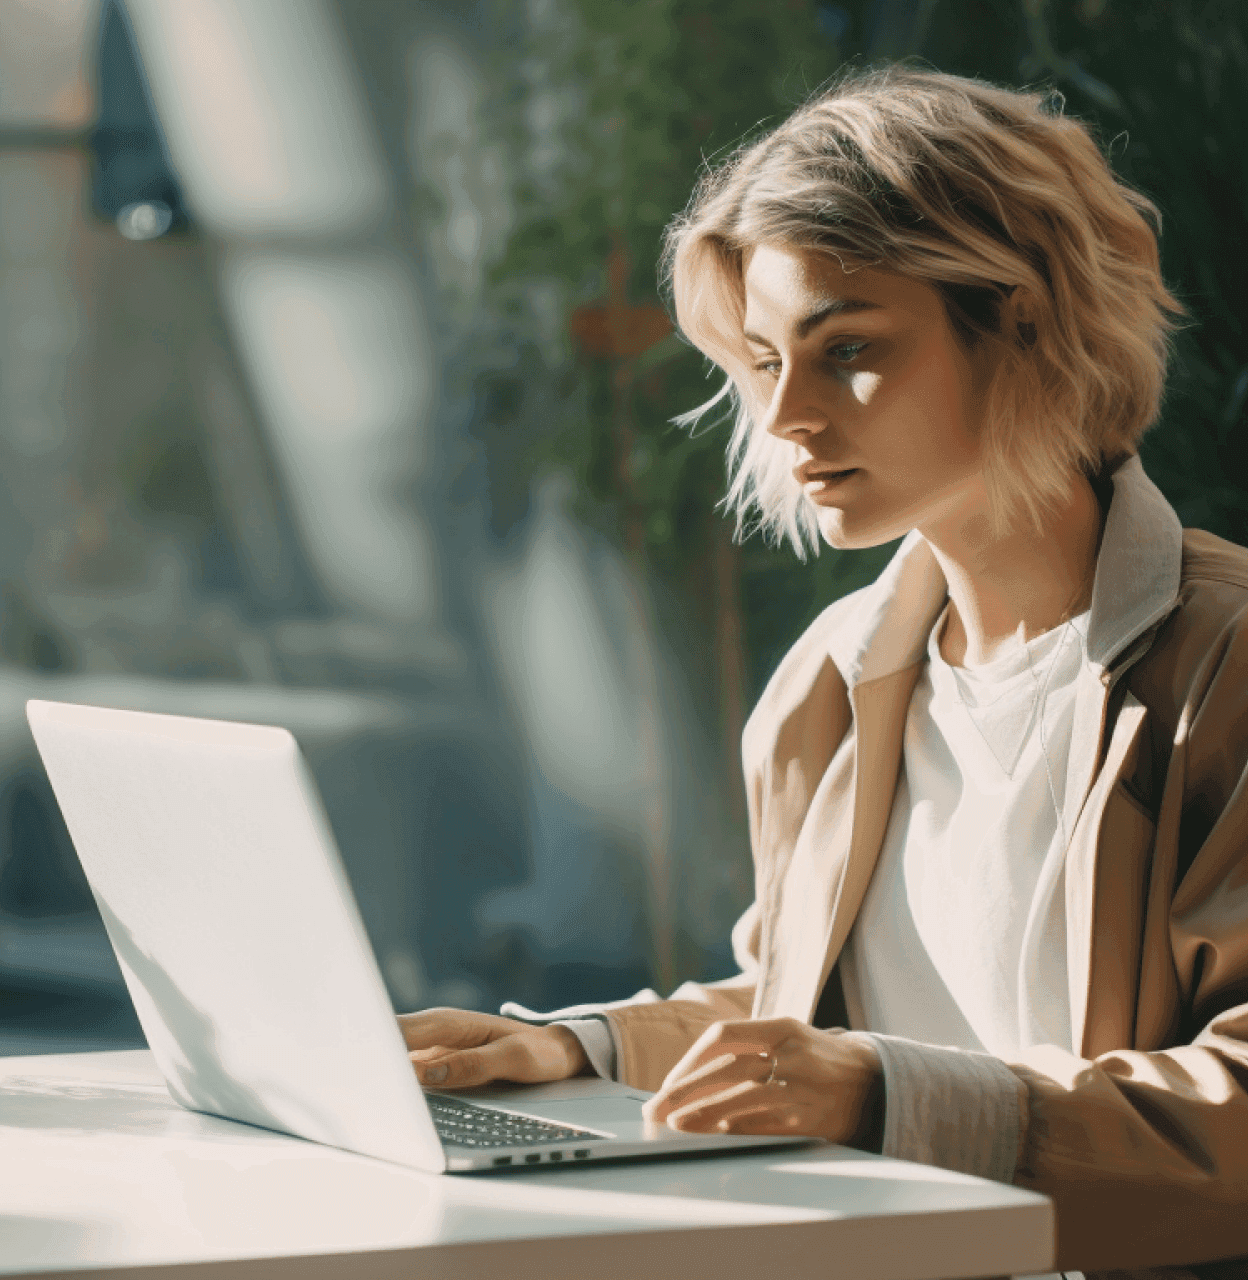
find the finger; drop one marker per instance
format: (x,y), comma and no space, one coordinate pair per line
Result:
(710,1046)
(466,1068)
(433,1052)
(741,1109)
(711,1077)
(778,1120)
(523,1059)
(740,1036)
(432,1027)
(704,1114)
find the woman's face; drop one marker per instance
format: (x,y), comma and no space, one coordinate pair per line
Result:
(863,372)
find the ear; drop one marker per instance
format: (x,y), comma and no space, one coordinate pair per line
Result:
(1018,316)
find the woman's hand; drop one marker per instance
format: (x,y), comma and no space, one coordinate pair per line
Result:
(456,1049)
(826,1084)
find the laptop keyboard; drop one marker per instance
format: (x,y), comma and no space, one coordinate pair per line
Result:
(467,1125)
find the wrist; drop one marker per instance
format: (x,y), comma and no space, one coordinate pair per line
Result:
(570,1043)
(869,1133)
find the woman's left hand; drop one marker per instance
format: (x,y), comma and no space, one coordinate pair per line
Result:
(825,1084)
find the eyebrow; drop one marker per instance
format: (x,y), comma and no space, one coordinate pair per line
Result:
(808,323)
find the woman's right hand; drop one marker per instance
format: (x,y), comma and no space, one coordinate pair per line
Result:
(457,1049)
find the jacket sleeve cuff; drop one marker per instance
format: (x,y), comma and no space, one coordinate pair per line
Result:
(951,1108)
(597,1040)
(593,1030)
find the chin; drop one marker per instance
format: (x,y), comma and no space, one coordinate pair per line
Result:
(844,536)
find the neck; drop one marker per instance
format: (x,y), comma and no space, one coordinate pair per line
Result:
(1006,591)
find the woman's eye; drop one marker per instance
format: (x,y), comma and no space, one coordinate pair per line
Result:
(842,353)
(847,351)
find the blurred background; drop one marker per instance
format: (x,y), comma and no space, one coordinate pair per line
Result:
(335,392)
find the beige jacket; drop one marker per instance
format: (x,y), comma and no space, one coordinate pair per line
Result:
(1141,1138)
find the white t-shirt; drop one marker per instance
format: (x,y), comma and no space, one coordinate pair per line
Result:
(961,939)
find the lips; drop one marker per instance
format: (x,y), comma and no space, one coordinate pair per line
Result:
(810,472)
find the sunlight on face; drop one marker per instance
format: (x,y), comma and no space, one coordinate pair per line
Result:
(861,373)
(864,385)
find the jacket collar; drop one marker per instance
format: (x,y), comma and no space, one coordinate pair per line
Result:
(886,625)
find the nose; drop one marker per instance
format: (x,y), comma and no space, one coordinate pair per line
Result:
(795,412)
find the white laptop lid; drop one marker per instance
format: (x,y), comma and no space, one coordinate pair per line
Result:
(220,885)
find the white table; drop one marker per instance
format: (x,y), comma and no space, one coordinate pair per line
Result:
(102,1173)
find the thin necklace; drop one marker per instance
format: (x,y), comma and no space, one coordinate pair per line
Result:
(1036,698)
(1044,751)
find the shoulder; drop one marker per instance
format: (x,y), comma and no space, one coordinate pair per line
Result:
(1213,592)
(1209,559)
(1203,646)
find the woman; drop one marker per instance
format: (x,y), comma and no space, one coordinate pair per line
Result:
(998,799)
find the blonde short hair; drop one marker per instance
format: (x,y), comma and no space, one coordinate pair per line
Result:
(977,190)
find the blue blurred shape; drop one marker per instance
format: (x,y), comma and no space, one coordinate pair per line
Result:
(134,182)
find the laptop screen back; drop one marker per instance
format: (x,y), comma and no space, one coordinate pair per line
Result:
(220,885)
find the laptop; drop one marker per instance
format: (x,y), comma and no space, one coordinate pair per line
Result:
(220,884)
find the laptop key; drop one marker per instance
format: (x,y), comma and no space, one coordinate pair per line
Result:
(466,1124)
